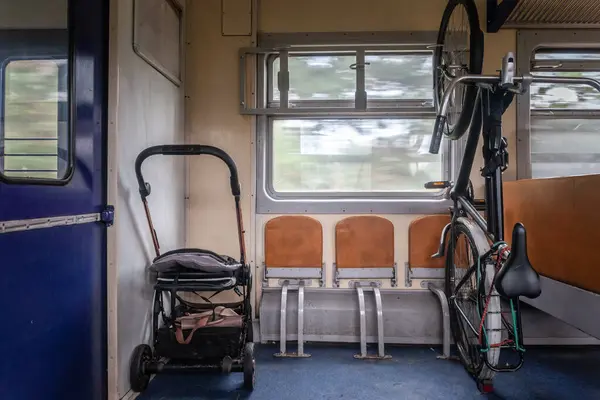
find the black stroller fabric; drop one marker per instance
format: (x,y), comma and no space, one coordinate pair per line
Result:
(195,260)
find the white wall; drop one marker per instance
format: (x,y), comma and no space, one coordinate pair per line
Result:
(145,109)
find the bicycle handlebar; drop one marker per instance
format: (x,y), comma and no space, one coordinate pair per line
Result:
(524,82)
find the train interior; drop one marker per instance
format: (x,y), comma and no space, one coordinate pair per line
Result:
(267,199)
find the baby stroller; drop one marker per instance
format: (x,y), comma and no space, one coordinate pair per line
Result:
(196,336)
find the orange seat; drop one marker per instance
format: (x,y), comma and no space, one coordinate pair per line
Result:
(293,242)
(364,242)
(424,239)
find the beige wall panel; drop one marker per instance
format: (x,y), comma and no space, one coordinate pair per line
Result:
(349,15)
(212,118)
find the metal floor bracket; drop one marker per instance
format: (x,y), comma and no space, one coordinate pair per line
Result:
(283,321)
(428,274)
(363,323)
(383,273)
(445,319)
(294,275)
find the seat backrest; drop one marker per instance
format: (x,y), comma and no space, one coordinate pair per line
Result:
(364,242)
(424,239)
(293,242)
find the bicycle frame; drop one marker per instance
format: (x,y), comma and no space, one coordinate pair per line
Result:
(494,96)
(493,141)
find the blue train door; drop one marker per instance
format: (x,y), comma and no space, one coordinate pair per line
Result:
(52,199)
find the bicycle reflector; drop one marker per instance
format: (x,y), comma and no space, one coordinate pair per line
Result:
(438,185)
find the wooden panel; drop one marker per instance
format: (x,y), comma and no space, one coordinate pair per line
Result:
(294,241)
(423,240)
(364,242)
(561,218)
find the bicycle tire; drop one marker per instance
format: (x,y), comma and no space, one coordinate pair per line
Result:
(476,45)
(493,323)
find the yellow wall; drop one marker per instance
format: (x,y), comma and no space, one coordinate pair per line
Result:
(212,115)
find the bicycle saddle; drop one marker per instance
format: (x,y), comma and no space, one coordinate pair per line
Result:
(517,277)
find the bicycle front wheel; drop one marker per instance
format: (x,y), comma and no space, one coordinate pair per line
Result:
(468,283)
(458,51)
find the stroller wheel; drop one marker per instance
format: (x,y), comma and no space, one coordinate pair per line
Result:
(249,364)
(138,378)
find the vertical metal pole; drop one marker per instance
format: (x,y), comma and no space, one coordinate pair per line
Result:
(283,319)
(445,319)
(380,343)
(363,321)
(301,318)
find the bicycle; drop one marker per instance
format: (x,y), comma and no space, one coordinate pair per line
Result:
(494,275)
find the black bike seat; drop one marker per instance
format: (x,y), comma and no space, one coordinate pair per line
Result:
(517,277)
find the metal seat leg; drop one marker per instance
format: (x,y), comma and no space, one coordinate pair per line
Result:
(283,322)
(380,341)
(301,321)
(445,319)
(363,325)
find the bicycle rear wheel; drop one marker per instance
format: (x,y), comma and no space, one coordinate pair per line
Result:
(468,299)
(458,51)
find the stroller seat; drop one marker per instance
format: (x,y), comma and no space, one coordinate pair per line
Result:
(198,268)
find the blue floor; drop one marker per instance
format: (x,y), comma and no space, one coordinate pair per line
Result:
(413,373)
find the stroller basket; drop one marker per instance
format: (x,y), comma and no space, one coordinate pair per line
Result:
(191,335)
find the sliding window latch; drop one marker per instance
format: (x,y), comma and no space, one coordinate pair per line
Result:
(359,65)
(108,215)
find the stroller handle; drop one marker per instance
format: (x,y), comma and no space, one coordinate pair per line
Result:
(185,150)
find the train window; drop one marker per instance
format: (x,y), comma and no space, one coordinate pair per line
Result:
(354,134)
(558,125)
(564,133)
(353,155)
(318,77)
(332,78)
(564,147)
(399,76)
(35,118)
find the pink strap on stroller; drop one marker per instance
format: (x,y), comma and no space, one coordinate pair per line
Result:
(200,320)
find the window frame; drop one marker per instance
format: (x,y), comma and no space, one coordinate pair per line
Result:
(269,201)
(3,80)
(42,44)
(529,41)
(348,104)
